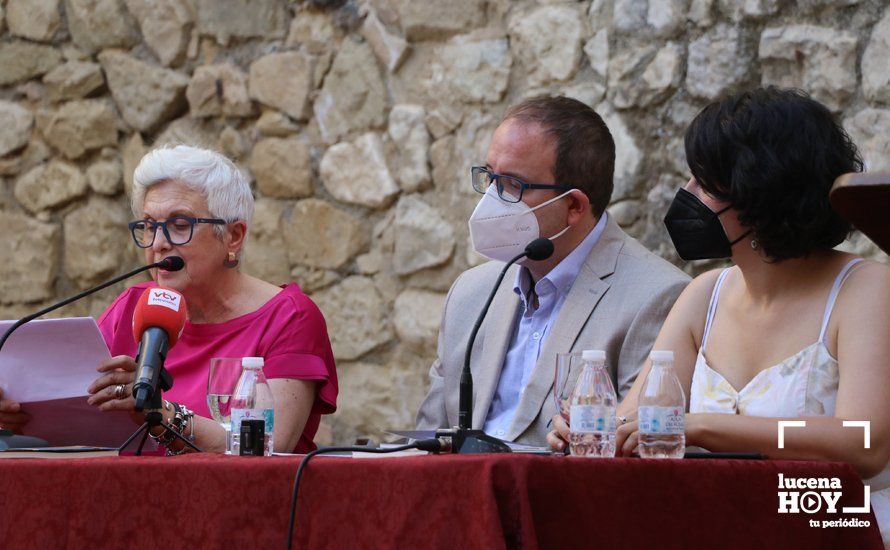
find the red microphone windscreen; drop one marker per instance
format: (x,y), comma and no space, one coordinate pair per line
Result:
(162,308)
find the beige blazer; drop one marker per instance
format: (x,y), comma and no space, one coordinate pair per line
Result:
(617,303)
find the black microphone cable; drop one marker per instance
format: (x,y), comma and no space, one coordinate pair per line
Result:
(429,445)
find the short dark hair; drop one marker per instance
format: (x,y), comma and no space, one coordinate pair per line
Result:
(585,150)
(773,154)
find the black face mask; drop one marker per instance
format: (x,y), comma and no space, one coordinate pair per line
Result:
(695,229)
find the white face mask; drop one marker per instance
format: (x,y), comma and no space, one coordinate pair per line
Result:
(501,230)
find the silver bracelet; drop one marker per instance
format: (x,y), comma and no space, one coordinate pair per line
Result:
(165,438)
(182,418)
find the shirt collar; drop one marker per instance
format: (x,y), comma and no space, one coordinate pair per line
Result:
(561,277)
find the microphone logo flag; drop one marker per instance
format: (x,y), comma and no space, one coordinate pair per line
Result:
(160,297)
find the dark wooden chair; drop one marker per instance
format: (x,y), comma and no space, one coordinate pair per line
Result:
(863,199)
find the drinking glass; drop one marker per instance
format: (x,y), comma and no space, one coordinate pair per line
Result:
(562,391)
(221,382)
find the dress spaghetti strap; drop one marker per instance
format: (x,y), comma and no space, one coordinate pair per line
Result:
(832,296)
(712,306)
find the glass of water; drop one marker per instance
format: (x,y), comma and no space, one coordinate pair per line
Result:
(562,390)
(224,374)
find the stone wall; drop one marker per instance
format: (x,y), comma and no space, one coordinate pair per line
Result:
(358,121)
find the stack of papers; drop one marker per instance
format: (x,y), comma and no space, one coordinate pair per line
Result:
(47,366)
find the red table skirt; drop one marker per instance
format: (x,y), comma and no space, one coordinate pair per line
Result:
(449,502)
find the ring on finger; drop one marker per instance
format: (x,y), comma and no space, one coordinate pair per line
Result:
(120,391)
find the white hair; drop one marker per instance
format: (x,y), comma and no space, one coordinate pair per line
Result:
(217,178)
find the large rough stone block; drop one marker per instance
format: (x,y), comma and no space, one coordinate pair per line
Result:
(20,60)
(96,240)
(597,51)
(218,90)
(870,130)
(624,16)
(73,80)
(80,126)
(200,132)
(748,9)
(390,48)
(357,317)
(320,235)
(666,17)
(353,96)
(453,156)
(29,258)
(625,85)
(165,25)
(472,71)
(417,317)
(422,237)
(701,12)
(33,19)
(717,62)
(282,168)
(628,155)
(380,397)
(15,127)
(283,81)
(356,172)
(276,124)
(662,76)
(820,60)
(875,62)
(99,24)
(225,19)
(132,153)
(263,256)
(437,20)
(407,130)
(145,94)
(312,29)
(106,176)
(35,152)
(50,186)
(548,40)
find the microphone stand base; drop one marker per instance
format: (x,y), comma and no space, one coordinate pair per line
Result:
(468,442)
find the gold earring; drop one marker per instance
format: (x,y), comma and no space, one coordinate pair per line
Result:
(231,261)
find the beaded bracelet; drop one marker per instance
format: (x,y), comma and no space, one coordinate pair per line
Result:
(182,418)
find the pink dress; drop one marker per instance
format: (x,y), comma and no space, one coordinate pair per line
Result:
(288,331)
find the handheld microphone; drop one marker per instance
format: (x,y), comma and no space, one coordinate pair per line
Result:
(170,263)
(468,440)
(158,321)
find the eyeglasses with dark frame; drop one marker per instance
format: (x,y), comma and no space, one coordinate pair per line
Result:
(509,189)
(178,229)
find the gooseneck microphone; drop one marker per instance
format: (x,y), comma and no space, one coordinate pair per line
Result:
(158,321)
(467,440)
(170,263)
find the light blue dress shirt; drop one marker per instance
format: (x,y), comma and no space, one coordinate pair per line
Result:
(532,329)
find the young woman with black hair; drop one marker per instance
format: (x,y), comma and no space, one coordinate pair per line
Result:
(795,329)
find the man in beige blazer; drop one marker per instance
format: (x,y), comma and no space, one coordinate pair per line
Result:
(548,173)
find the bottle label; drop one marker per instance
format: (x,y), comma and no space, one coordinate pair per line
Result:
(590,419)
(267,415)
(662,420)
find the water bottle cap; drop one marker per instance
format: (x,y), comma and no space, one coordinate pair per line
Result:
(595,355)
(252,362)
(662,356)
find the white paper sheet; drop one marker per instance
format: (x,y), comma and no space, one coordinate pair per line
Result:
(47,366)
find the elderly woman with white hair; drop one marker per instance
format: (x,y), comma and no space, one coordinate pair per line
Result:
(196,204)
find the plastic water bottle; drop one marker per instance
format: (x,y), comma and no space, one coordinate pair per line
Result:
(592,414)
(252,400)
(662,409)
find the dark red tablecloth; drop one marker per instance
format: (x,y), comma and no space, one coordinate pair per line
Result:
(449,502)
